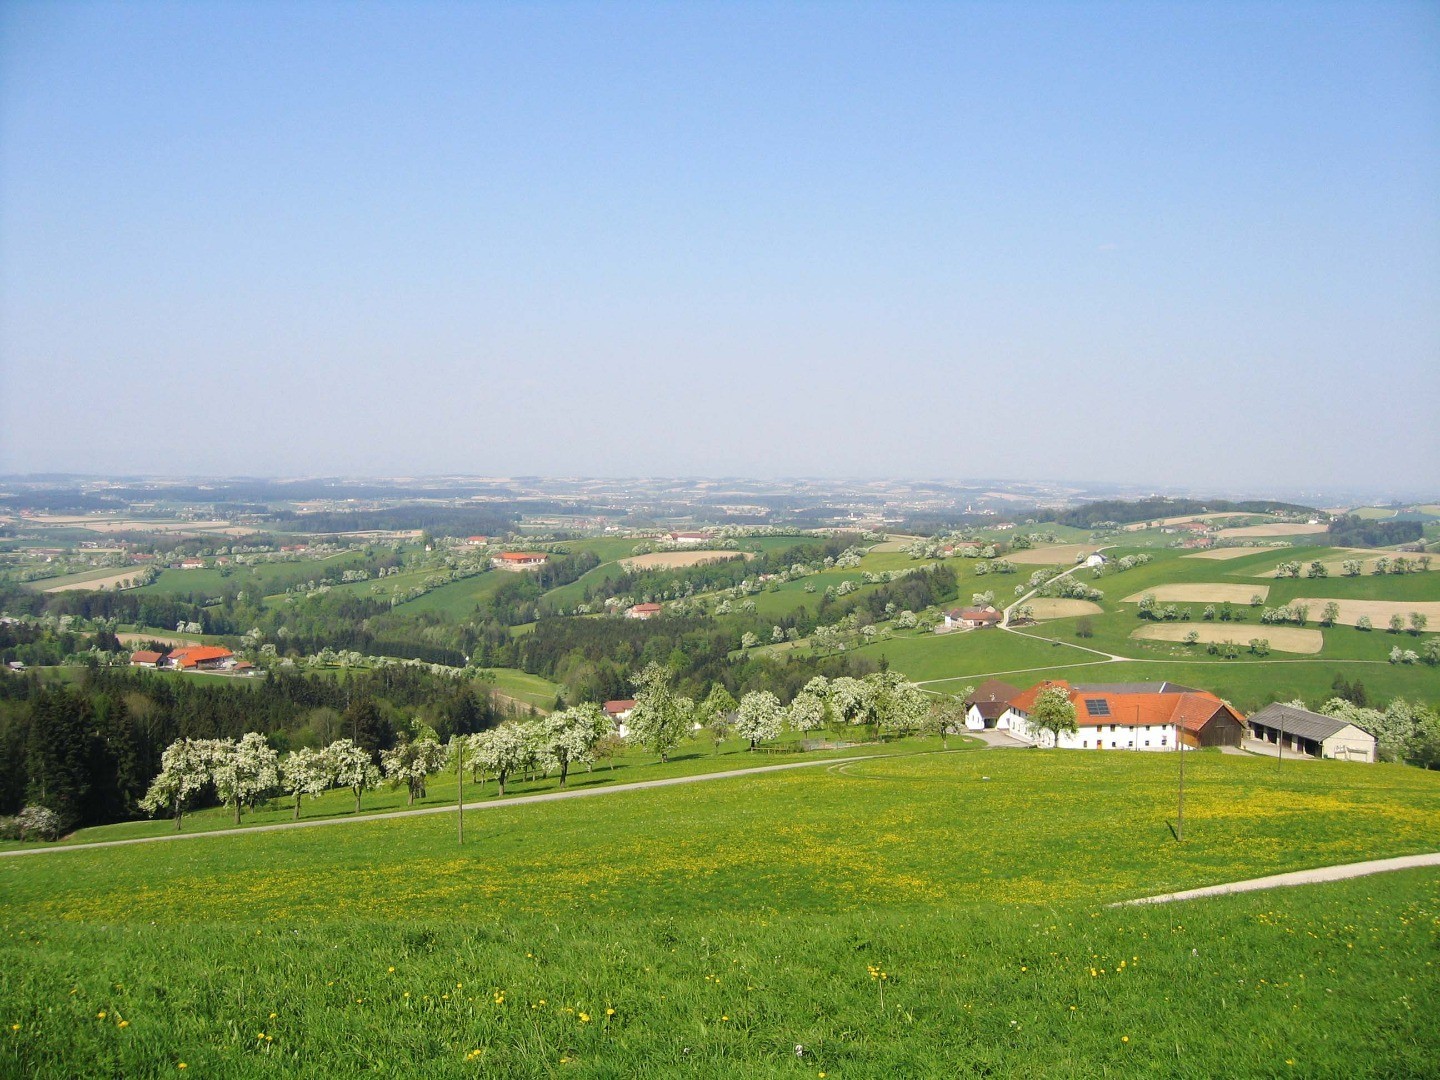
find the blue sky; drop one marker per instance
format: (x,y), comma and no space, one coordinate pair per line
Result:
(1191,244)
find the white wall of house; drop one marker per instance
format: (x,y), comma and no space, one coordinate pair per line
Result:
(1349,744)
(975,722)
(1096,736)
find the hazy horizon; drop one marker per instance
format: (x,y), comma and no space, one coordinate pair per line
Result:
(1167,245)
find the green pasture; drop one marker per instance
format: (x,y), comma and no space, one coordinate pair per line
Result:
(265,578)
(457,600)
(567,596)
(924,656)
(522,686)
(931,915)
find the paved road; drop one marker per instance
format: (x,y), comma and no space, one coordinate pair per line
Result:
(488,804)
(1298,877)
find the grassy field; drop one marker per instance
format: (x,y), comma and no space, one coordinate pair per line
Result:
(524,687)
(932,915)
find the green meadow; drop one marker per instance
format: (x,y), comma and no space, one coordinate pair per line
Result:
(939,914)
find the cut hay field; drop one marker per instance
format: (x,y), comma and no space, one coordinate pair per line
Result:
(1271,530)
(671,560)
(1291,639)
(711,929)
(1221,554)
(1051,554)
(90,579)
(1201,592)
(1058,608)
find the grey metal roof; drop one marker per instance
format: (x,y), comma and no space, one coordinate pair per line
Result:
(1302,722)
(1135,688)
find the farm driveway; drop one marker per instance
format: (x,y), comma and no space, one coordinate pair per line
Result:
(1299,877)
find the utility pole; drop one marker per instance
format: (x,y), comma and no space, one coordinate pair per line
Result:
(1180,749)
(459,789)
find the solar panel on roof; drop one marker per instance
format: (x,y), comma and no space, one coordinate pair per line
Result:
(1097,706)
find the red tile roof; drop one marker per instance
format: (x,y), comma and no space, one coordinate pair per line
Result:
(145,656)
(613,707)
(1192,710)
(199,654)
(522,556)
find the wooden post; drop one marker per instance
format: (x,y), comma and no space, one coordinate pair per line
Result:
(1180,749)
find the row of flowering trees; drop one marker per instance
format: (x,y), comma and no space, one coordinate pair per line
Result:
(246,771)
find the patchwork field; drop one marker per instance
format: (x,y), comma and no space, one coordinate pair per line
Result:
(1051,555)
(653,934)
(1201,592)
(1291,639)
(1058,608)
(670,560)
(1276,529)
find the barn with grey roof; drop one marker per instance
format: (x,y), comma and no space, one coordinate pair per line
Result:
(1301,731)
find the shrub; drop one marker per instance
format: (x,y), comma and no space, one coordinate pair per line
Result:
(38,823)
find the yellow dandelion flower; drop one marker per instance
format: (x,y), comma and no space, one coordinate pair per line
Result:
(123,1024)
(609,1012)
(100,1015)
(272,1016)
(390,971)
(182,1065)
(584,1018)
(1124,1038)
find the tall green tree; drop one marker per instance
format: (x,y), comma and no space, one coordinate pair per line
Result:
(58,756)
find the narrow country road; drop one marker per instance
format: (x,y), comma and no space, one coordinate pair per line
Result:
(488,804)
(1297,877)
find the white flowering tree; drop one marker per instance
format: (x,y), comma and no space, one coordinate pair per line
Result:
(305,772)
(411,762)
(897,705)
(184,771)
(947,714)
(570,735)
(352,767)
(661,717)
(852,700)
(243,771)
(502,750)
(760,717)
(808,712)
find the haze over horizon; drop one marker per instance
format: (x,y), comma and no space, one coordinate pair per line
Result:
(1170,245)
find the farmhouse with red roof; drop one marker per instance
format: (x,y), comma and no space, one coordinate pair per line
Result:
(1131,716)
(200,658)
(519,560)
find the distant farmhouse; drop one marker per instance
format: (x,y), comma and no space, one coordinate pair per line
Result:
(519,560)
(689,538)
(1130,716)
(619,712)
(200,658)
(1313,734)
(642,611)
(971,618)
(987,703)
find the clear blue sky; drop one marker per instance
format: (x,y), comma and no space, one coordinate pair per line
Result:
(1175,244)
